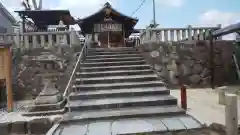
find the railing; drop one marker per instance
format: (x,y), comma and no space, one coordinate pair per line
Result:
(175,34)
(47,39)
(81,56)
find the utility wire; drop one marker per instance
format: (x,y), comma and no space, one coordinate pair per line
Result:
(143,1)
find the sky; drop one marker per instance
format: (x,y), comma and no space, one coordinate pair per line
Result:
(169,13)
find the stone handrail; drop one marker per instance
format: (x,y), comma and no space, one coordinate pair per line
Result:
(82,54)
(30,40)
(175,34)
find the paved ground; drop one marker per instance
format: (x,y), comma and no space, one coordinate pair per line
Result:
(203,104)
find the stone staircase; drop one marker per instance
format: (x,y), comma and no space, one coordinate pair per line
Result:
(114,90)
(116,83)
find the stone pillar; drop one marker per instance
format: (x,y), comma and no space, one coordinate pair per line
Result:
(72,38)
(189,32)
(195,34)
(231,114)
(221,97)
(171,35)
(184,34)
(178,35)
(165,33)
(201,37)
(18,40)
(219,26)
(159,36)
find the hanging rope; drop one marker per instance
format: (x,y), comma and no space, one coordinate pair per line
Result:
(143,1)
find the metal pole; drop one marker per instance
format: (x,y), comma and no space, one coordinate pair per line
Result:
(183,97)
(154,14)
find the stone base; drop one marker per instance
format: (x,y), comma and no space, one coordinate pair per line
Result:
(39,126)
(53,99)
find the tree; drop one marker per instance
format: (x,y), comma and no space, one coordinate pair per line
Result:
(27,5)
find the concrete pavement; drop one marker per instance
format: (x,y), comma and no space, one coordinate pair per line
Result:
(203,105)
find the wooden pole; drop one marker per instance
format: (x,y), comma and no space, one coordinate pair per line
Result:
(8,75)
(231,114)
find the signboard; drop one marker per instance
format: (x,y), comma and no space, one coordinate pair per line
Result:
(107,27)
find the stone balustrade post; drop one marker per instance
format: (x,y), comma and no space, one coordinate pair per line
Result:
(18,40)
(165,34)
(172,35)
(189,32)
(26,42)
(72,38)
(42,41)
(195,34)
(154,36)
(34,41)
(50,40)
(201,37)
(219,27)
(58,39)
(184,34)
(178,35)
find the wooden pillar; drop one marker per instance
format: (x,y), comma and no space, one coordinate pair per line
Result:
(6,72)
(108,40)
(123,34)
(93,33)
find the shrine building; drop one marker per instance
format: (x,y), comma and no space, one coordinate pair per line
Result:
(108,27)
(43,18)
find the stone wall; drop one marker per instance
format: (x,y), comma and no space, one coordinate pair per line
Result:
(30,74)
(189,62)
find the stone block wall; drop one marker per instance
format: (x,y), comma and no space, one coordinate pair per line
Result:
(189,62)
(30,74)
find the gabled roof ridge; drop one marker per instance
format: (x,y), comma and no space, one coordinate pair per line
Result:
(7,14)
(108,5)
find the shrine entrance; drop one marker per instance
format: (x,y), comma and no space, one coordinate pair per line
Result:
(111,39)
(110,34)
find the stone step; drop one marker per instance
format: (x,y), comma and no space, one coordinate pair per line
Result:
(113,49)
(48,107)
(112,52)
(45,113)
(116,79)
(130,112)
(114,68)
(112,63)
(151,125)
(113,56)
(121,102)
(114,59)
(114,73)
(85,87)
(98,94)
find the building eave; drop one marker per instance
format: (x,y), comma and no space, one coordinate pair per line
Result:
(113,10)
